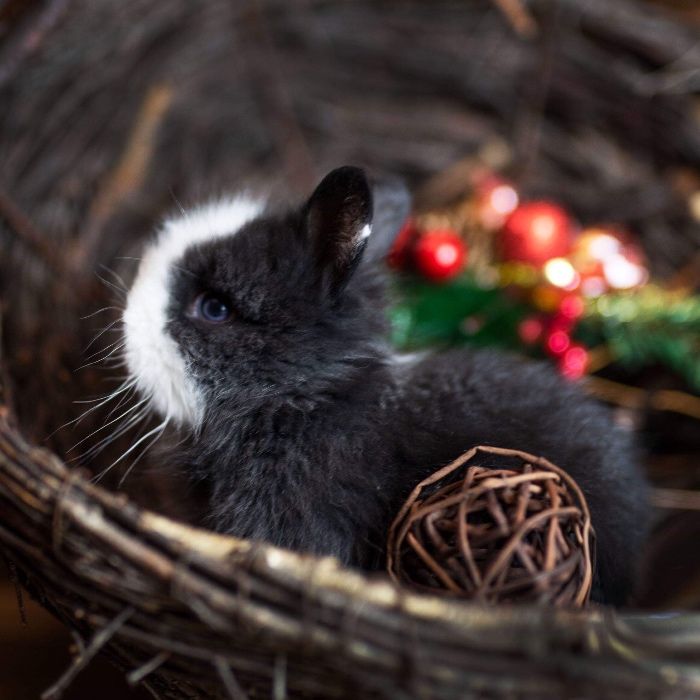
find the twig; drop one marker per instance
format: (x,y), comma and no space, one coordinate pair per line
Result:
(531,124)
(688,277)
(14,578)
(33,39)
(25,229)
(676,401)
(83,659)
(232,686)
(282,119)
(279,688)
(518,17)
(676,499)
(128,174)
(7,406)
(599,357)
(138,674)
(634,397)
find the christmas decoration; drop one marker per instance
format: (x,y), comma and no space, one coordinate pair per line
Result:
(571,307)
(530,329)
(536,232)
(647,326)
(573,361)
(608,259)
(557,341)
(440,254)
(544,286)
(561,273)
(496,200)
(429,314)
(495,526)
(400,252)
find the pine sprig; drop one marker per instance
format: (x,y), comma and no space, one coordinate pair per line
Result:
(459,311)
(641,327)
(646,326)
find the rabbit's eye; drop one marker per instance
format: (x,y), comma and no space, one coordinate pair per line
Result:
(212,308)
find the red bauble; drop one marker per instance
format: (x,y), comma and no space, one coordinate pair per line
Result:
(531,329)
(574,362)
(496,199)
(558,341)
(440,254)
(571,307)
(536,232)
(399,254)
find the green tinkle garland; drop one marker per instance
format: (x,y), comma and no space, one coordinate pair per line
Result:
(639,327)
(646,326)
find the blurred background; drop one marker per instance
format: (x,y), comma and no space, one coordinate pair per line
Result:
(114,113)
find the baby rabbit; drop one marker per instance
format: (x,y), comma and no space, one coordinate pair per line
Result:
(263,337)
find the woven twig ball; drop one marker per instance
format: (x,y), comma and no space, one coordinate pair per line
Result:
(494,533)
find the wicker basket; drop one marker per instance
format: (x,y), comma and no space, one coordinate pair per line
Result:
(194,615)
(109,125)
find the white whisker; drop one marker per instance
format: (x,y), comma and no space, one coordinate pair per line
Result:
(158,428)
(130,423)
(141,454)
(114,287)
(102,400)
(114,348)
(102,310)
(104,349)
(106,425)
(177,201)
(101,333)
(123,387)
(120,281)
(124,398)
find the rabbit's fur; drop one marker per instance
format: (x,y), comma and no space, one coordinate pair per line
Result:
(305,428)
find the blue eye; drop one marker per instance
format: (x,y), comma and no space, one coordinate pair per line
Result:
(212,308)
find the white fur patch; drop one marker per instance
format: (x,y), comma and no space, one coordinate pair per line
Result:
(152,356)
(409,359)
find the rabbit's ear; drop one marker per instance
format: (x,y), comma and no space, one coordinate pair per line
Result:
(338,221)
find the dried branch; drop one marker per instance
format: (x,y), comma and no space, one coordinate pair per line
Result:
(634,397)
(128,175)
(32,40)
(86,655)
(670,499)
(23,227)
(519,18)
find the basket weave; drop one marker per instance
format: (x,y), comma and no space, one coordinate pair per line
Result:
(191,614)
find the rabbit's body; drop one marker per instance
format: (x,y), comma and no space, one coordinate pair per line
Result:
(491,398)
(304,427)
(311,473)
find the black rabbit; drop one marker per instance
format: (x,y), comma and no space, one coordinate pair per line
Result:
(263,336)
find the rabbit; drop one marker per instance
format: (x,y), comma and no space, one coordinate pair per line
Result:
(262,335)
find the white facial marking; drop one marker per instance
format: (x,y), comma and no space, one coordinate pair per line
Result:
(153,357)
(366,231)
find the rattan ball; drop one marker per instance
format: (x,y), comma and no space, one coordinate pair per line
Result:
(496,526)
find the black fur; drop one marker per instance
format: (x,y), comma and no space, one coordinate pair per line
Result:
(314,435)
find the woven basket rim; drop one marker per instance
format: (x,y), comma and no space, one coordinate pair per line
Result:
(357,625)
